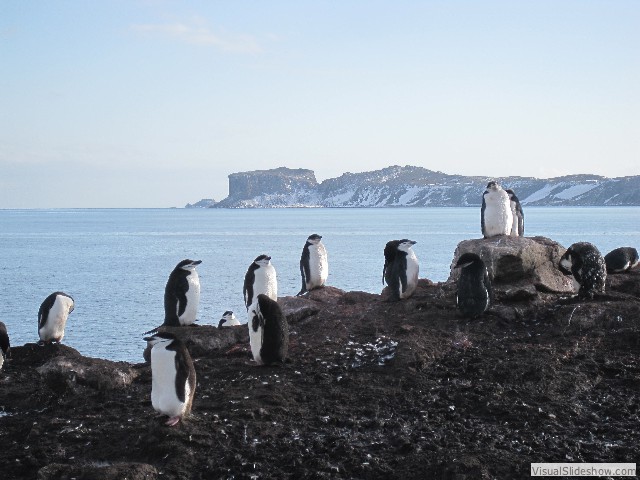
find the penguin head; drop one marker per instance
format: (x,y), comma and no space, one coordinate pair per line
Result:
(189,265)
(262,260)
(405,245)
(566,262)
(226,317)
(467,259)
(160,338)
(314,239)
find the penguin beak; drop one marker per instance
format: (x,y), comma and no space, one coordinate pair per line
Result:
(412,242)
(196,262)
(147,339)
(268,258)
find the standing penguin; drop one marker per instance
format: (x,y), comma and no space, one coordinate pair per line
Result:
(260,278)
(182,294)
(4,343)
(400,268)
(52,316)
(517,227)
(228,320)
(474,285)
(268,331)
(621,259)
(173,377)
(314,267)
(584,261)
(495,216)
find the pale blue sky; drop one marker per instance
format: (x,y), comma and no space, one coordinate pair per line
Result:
(134,103)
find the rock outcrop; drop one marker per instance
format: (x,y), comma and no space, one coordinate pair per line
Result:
(516,263)
(397,186)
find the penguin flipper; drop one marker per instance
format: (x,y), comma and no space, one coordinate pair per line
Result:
(182,288)
(183,365)
(171,306)
(305,270)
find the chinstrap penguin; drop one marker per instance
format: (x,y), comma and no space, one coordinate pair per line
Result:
(400,268)
(228,320)
(621,259)
(474,292)
(495,216)
(585,263)
(182,294)
(314,267)
(173,377)
(268,331)
(4,344)
(260,278)
(52,316)
(517,227)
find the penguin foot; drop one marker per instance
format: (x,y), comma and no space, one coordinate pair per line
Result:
(172,422)
(302,293)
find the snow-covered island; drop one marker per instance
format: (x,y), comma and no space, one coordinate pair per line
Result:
(410,186)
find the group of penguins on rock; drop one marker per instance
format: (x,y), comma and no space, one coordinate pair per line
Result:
(172,371)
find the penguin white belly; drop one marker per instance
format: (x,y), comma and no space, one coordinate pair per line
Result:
(318,266)
(514,223)
(163,383)
(413,269)
(56,320)
(255,338)
(498,219)
(266,283)
(193,300)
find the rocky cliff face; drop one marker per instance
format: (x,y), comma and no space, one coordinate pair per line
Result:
(374,389)
(418,187)
(245,187)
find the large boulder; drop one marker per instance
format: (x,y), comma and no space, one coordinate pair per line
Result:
(202,340)
(65,372)
(518,262)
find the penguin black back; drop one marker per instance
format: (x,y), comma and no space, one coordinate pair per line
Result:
(185,370)
(249,287)
(175,293)
(474,292)
(45,307)
(395,268)
(621,259)
(584,261)
(275,331)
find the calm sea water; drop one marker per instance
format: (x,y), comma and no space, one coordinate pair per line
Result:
(115,263)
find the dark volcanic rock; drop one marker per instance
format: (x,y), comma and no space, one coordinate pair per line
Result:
(373,389)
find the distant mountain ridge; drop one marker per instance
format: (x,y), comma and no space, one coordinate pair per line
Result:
(410,186)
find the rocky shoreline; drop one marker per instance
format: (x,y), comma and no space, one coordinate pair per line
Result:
(374,389)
